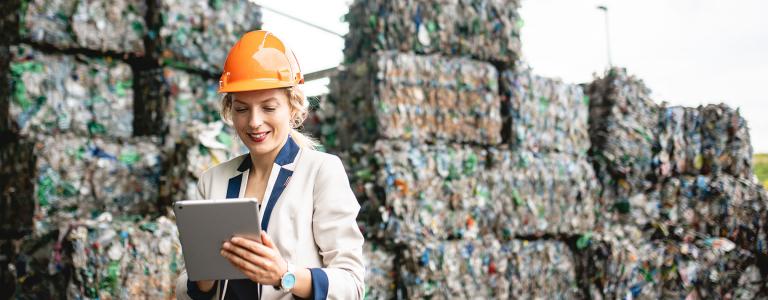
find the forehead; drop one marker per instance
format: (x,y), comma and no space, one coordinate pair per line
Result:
(256,97)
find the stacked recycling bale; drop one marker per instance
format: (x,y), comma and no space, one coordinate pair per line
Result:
(487,268)
(419,97)
(379,272)
(428,191)
(321,121)
(677,194)
(678,267)
(544,181)
(144,258)
(74,106)
(590,169)
(77,112)
(416,191)
(203,146)
(541,193)
(104,26)
(623,129)
(109,111)
(676,166)
(197,35)
(726,146)
(56,93)
(80,176)
(712,192)
(485,30)
(622,124)
(420,123)
(544,114)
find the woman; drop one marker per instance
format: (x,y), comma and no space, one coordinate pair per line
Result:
(311,246)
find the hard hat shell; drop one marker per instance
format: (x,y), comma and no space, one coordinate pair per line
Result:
(259,61)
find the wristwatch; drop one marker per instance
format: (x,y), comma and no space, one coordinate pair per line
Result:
(288,280)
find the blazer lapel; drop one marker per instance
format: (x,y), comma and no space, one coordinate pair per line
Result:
(233,187)
(285,161)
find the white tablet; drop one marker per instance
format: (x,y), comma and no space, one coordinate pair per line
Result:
(204,225)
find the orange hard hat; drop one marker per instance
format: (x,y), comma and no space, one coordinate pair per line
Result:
(259,61)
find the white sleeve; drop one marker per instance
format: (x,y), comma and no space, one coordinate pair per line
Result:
(337,235)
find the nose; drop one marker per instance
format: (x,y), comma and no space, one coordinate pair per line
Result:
(255,121)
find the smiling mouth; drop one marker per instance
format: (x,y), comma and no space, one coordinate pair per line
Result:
(258,137)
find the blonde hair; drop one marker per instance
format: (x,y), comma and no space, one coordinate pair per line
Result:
(299,110)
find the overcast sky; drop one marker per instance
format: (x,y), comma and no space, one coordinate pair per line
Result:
(689,52)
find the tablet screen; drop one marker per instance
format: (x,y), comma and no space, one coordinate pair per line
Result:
(204,225)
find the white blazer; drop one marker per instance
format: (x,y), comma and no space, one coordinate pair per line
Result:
(309,211)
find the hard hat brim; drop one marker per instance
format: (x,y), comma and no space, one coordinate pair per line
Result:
(253,85)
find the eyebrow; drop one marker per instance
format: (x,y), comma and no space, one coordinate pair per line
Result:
(262,101)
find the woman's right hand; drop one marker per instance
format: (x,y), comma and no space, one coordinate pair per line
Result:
(205,285)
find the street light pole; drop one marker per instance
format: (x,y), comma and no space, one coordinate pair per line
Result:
(607,34)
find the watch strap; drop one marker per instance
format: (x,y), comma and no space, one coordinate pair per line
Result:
(289,270)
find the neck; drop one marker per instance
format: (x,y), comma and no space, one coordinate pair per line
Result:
(262,163)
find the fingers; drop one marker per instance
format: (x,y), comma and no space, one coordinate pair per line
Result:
(256,258)
(257,271)
(252,246)
(267,241)
(239,262)
(261,262)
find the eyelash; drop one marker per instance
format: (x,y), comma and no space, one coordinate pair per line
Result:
(269,109)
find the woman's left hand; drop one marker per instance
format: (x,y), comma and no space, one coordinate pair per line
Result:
(261,262)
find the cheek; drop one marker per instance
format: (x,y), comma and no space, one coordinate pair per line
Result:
(241,125)
(281,119)
(239,122)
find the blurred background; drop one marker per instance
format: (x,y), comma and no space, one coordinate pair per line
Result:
(498,148)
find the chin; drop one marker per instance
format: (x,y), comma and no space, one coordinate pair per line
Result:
(260,148)
(263,147)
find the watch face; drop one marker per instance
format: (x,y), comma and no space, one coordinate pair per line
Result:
(288,281)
